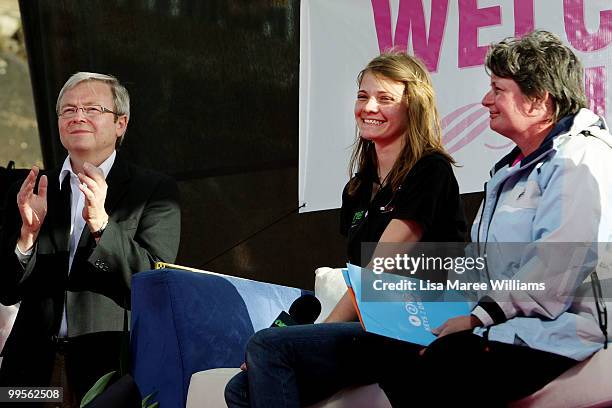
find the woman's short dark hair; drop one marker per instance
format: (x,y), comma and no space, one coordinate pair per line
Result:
(539,62)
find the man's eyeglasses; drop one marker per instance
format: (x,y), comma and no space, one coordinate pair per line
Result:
(90,111)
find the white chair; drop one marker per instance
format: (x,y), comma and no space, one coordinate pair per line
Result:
(587,385)
(7,318)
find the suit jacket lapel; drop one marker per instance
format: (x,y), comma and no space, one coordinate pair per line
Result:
(118,183)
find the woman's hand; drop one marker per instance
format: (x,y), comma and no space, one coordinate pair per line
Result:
(457,324)
(454,325)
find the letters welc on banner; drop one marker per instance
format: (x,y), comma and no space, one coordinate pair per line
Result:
(338,37)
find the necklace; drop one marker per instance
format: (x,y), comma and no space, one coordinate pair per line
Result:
(384,180)
(378,185)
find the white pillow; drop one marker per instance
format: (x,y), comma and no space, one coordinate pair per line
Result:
(329,288)
(7,318)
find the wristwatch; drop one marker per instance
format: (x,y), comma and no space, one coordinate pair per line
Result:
(97,234)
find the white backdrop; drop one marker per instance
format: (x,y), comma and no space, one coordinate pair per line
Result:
(339,37)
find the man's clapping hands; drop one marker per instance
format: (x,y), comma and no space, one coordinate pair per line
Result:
(32,207)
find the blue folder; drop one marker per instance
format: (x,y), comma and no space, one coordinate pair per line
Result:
(410,320)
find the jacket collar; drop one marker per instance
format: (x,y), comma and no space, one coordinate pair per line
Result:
(562,126)
(105,167)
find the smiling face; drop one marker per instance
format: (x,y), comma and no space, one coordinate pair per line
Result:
(380,109)
(90,138)
(512,113)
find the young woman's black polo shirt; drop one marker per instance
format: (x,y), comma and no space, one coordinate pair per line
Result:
(429,195)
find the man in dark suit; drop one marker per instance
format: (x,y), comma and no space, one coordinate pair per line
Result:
(72,240)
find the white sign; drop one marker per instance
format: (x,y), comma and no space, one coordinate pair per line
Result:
(339,37)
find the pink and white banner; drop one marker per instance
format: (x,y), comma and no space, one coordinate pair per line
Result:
(339,37)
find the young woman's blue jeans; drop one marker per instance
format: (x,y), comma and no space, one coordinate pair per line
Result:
(300,365)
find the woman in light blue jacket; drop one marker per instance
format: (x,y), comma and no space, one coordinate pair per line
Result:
(543,226)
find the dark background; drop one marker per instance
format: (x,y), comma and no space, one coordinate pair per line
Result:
(214,89)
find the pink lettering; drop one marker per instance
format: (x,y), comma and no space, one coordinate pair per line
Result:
(411,19)
(523,17)
(595,89)
(471,18)
(382,21)
(577,33)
